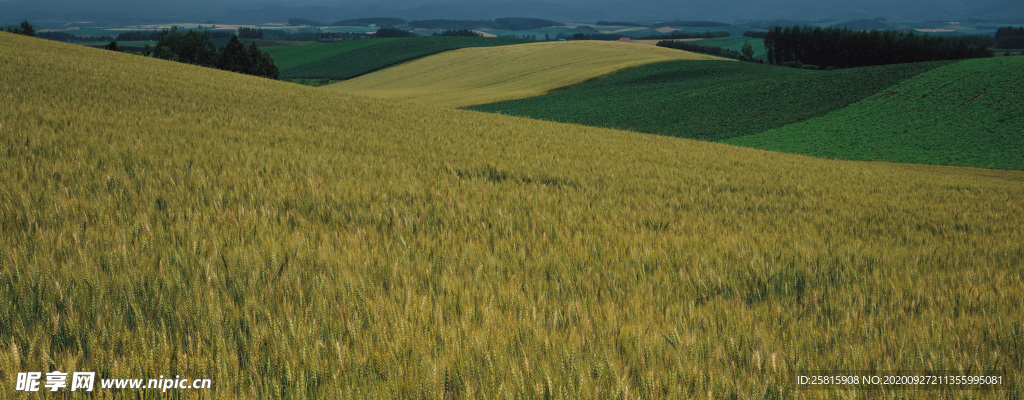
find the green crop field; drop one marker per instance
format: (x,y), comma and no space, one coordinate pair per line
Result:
(482,75)
(969,113)
(708,100)
(381,55)
(292,56)
(159,218)
(736,43)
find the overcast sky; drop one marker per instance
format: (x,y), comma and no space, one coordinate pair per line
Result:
(579,10)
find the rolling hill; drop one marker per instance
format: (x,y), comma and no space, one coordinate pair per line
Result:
(708,100)
(287,57)
(483,75)
(968,113)
(291,242)
(359,59)
(736,43)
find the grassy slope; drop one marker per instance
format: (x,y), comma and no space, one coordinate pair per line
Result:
(708,100)
(968,113)
(484,75)
(160,218)
(382,55)
(292,56)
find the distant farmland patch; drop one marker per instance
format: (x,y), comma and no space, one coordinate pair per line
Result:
(292,56)
(708,100)
(482,75)
(362,60)
(735,43)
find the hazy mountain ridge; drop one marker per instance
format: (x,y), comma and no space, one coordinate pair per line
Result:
(228,11)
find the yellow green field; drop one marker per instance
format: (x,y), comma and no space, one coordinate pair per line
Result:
(158,218)
(483,75)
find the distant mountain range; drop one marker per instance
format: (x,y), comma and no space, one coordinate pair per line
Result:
(236,11)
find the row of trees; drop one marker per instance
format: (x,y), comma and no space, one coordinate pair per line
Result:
(194,47)
(1010,38)
(59,36)
(138,36)
(393,33)
(24,29)
(459,32)
(250,33)
(844,48)
(699,48)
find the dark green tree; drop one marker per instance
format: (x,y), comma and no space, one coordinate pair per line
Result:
(250,33)
(113,46)
(843,48)
(1010,38)
(191,47)
(27,29)
(393,32)
(262,64)
(747,52)
(164,53)
(234,57)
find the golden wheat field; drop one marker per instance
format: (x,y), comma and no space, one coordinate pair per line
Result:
(289,242)
(481,75)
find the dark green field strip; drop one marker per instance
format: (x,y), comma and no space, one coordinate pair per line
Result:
(371,58)
(736,43)
(292,56)
(709,100)
(968,114)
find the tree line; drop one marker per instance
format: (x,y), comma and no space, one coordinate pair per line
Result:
(68,37)
(24,29)
(250,33)
(393,33)
(194,47)
(745,54)
(459,32)
(1010,38)
(845,48)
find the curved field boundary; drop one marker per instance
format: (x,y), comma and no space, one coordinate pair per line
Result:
(708,100)
(370,58)
(967,114)
(287,57)
(484,75)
